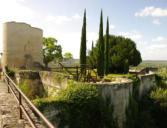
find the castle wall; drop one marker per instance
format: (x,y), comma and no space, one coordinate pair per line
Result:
(147,81)
(116,94)
(53,81)
(22,46)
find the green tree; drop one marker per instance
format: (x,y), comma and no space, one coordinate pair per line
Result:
(92,48)
(120,50)
(68,56)
(51,50)
(106,62)
(100,55)
(126,66)
(92,57)
(83,44)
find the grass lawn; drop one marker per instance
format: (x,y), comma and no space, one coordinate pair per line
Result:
(93,73)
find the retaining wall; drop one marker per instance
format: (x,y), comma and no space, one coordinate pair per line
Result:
(116,94)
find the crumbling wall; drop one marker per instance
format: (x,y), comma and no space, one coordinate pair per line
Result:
(117,95)
(147,81)
(53,81)
(22,46)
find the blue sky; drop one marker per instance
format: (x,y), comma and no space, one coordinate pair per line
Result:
(144,21)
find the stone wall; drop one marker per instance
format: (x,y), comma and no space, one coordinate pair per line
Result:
(33,82)
(53,81)
(115,94)
(22,46)
(147,81)
(43,81)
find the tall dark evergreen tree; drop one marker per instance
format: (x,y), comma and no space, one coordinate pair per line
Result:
(100,55)
(106,62)
(92,48)
(83,45)
(92,45)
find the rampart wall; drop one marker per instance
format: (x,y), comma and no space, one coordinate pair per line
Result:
(115,94)
(22,46)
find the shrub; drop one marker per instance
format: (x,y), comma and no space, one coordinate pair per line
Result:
(10,73)
(140,111)
(80,106)
(159,97)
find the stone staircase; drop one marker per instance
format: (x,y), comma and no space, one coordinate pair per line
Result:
(9,111)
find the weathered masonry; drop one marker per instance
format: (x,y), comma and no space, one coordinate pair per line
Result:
(116,94)
(22,46)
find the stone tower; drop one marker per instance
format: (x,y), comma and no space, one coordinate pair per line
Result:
(22,46)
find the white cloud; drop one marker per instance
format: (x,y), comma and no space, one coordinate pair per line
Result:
(70,42)
(58,19)
(159,39)
(15,11)
(156,21)
(155,51)
(112,26)
(19,11)
(63,19)
(134,35)
(152,51)
(77,17)
(152,11)
(91,36)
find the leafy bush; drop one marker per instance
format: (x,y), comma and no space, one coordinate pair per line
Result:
(10,73)
(140,111)
(159,97)
(160,81)
(80,106)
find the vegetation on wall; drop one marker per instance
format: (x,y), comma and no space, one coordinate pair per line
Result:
(30,91)
(140,110)
(150,109)
(80,106)
(10,73)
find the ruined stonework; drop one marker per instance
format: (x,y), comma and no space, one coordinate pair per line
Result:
(22,46)
(147,81)
(115,94)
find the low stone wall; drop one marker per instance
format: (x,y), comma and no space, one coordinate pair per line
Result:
(32,80)
(146,82)
(53,81)
(42,81)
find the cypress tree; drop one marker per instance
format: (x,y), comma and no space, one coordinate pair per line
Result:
(106,70)
(100,55)
(83,45)
(92,45)
(92,48)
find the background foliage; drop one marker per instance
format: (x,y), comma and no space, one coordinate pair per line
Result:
(122,53)
(51,50)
